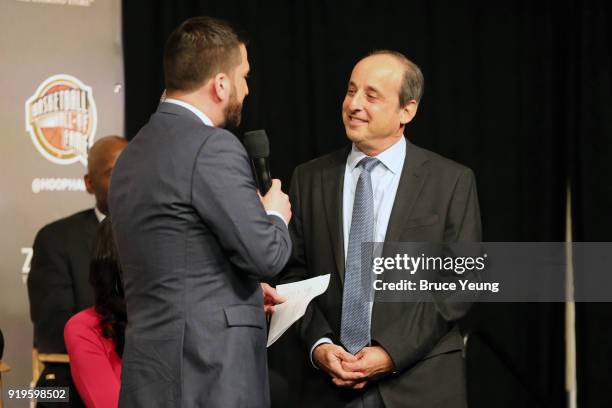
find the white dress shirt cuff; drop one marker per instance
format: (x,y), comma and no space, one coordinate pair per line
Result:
(276,213)
(322,340)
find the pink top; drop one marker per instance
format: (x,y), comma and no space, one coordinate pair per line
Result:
(94,363)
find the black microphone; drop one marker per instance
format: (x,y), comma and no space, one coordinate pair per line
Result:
(258,148)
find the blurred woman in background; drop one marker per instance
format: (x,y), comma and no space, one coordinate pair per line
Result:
(95,336)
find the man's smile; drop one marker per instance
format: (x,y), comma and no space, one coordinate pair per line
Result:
(356,121)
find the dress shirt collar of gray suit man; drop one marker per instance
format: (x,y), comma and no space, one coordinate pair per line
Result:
(205,119)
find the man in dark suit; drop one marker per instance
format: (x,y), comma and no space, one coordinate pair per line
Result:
(194,239)
(58,282)
(382,189)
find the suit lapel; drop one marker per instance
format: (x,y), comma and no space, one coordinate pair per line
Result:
(413,177)
(332,180)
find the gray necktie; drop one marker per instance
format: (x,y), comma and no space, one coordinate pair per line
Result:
(355,326)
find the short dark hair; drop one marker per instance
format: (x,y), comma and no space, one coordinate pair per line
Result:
(413,82)
(197,50)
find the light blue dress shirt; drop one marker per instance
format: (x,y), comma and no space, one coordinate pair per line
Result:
(385,179)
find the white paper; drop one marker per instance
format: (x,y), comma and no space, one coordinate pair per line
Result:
(298,295)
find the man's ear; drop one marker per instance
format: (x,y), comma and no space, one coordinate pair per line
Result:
(408,112)
(88,183)
(221,86)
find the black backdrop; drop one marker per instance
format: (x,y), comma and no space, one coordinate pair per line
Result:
(520,91)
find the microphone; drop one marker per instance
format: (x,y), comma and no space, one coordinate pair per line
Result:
(258,148)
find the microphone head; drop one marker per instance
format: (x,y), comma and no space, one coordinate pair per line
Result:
(256,144)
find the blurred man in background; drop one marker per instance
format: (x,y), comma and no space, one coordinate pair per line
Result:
(58,282)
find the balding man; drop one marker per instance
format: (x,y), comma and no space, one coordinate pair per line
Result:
(58,285)
(382,188)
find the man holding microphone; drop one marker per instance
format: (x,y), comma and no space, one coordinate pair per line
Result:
(194,238)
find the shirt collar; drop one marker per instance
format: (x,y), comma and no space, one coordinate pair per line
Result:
(192,108)
(99,214)
(392,158)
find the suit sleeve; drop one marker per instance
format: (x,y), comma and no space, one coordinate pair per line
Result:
(225,196)
(313,325)
(432,320)
(90,366)
(50,291)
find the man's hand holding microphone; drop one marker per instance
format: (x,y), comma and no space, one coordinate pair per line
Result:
(274,200)
(277,202)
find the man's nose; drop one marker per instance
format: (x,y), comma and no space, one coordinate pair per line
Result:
(356,102)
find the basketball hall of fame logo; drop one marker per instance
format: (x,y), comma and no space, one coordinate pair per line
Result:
(61,119)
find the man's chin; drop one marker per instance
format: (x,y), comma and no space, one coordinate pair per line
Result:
(353,135)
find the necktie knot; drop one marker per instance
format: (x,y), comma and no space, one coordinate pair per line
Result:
(368,163)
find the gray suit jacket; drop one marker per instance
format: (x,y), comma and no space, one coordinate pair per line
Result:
(436,201)
(194,242)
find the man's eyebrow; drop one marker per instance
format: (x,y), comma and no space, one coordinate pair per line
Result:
(371,88)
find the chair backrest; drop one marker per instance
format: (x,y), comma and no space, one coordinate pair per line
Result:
(39,360)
